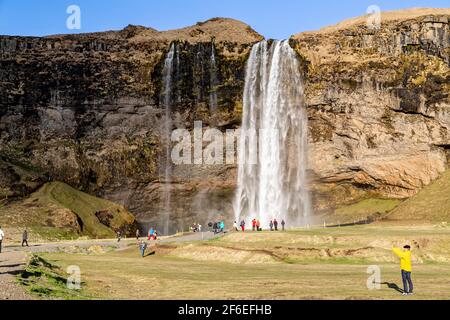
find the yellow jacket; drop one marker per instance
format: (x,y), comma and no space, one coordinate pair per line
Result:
(405,259)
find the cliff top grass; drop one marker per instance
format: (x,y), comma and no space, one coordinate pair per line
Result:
(430,204)
(388,16)
(58,210)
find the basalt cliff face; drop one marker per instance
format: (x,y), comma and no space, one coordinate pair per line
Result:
(86,110)
(379,106)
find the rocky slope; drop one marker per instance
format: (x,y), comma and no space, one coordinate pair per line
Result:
(86,110)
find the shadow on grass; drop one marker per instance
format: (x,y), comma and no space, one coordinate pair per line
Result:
(393,286)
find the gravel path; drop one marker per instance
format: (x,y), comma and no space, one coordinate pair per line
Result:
(13,258)
(11,264)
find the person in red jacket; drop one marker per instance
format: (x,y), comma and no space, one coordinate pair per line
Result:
(253,224)
(243,225)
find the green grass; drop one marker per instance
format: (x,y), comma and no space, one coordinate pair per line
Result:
(84,206)
(45,280)
(203,270)
(367,208)
(431,204)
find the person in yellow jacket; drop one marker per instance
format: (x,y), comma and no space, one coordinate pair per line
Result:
(406,266)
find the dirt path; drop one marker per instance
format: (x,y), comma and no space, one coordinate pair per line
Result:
(11,264)
(13,258)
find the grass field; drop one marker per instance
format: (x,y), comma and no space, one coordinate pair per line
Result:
(301,264)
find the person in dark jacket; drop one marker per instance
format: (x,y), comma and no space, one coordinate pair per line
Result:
(275,224)
(143,247)
(283,224)
(25,238)
(271,225)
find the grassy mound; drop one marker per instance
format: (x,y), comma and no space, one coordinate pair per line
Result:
(57,210)
(365,209)
(46,280)
(431,204)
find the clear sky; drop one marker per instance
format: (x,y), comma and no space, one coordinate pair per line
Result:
(277,19)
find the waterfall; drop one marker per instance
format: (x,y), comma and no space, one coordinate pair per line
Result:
(272,169)
(167,103)
(213,80)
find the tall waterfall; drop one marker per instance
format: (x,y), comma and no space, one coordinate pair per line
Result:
(167,103)
(272,169)
(213,80)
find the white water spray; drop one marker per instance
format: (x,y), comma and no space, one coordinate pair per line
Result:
(213,80)
(167,102)
(274,185)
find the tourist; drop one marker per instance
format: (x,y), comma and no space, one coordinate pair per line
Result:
(2,235)
(271,225)
(235,227)
(119,236)
(151,233)
(406,268)
(25,238)
(199,228)
(275,224)
(143,247)
(243,225)
(222,226)
(283,224)
(253,224)
(138,234)
(258,226)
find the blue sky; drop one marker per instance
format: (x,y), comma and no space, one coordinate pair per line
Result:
(272,18)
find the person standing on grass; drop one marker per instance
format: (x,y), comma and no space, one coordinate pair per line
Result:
(2,235)
(283,224)
(275,224)
(138,234)
(25,238)
(258,225)
(271,225)
(119,236)
(143,247)
(235,226)
(406,268)
(253,224)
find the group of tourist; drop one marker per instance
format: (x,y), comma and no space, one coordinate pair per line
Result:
(217,227)
(196,227)
(256,225)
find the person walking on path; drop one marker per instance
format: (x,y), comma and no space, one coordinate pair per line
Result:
(25,238)
(283,224)
(143,247)
(406,268)
(119,236)
(138,234)
(253,224)
(271,225)
(2,235)
(222,226)
(235,227)
(243,225)
(275,224)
